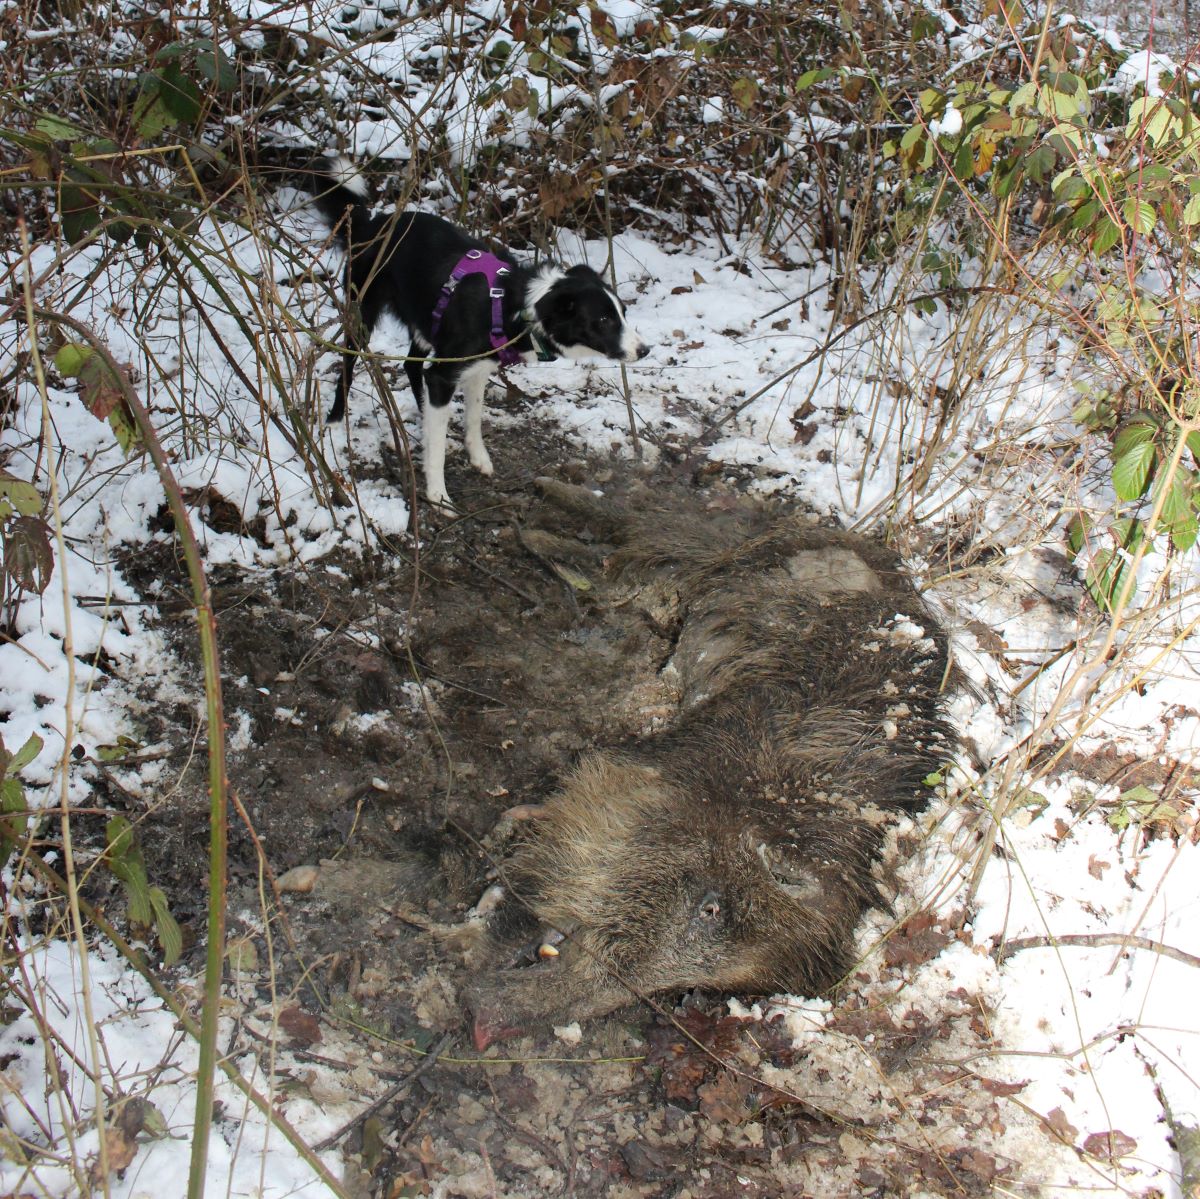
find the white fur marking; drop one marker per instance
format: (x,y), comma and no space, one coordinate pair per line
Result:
(436,421)
(632,345)
(344,172)
(540,284)
(473,382)
(577,352)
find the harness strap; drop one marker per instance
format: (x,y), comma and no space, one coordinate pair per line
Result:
(493,269)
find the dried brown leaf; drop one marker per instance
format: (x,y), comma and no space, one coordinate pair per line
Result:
(301,1027)
(1058,1123)
(1111,1144)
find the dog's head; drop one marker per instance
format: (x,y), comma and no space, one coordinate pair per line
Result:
(582,316)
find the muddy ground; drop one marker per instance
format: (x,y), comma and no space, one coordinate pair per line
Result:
(375,708)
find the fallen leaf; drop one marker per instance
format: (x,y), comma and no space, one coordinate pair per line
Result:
(994,1086)
(301,1027)
(1058,1123)
(918,941)
(1108,1145)
(975,1161)
(724,1099)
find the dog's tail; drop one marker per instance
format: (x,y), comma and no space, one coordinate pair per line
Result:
(341,195)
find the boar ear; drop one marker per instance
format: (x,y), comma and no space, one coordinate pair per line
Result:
(709,907)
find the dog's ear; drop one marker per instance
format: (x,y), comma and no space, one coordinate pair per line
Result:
(580,269)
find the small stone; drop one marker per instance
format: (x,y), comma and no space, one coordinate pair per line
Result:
(300,879)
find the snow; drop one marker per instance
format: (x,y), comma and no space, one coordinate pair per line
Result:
(1097,1031)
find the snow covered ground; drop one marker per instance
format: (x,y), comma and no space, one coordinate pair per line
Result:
(1103,1034)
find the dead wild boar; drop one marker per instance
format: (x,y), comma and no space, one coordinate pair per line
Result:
(734,850)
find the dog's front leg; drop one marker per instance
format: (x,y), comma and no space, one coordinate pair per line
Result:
(474,384)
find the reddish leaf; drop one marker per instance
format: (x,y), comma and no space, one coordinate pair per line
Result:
(918,941)
(28,556)
(724,1099)
(99,387)
(975,1161)
(1061,1126)
(301,1027)
(994,1086)
(1111,1144)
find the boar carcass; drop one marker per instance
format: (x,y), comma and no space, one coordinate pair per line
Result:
(734,850)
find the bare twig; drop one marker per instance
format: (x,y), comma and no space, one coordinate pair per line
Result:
(393,1092)
(1094,941)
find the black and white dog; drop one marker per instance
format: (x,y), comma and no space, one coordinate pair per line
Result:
(468,311)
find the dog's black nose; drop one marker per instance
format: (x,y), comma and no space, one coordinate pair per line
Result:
(643,350)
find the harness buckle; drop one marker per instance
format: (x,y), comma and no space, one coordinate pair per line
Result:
(497,293)
(473,254)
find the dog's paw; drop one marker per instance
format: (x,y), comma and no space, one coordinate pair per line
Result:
(440,501)
(481,460)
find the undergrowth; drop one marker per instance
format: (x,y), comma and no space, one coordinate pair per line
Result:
(1017,182)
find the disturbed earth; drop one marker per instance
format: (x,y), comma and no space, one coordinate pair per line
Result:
(385,711)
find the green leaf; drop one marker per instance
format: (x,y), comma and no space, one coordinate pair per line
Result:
(1077,533)
(25,755)
(128,435)
(215,66)
(930,99)
(1108,234)
(79,211)
(1134,432)
(12,796)
(1131,471)
(744,91)
(1024,97)
(55,129)
(1086,213)
(1178,513)
(125,861)
(150,115)
(70,359)
(22,497)
(1191,211)
(811,78)
(1193,443)
(179,94)
(1139,215)
(169,935)
(1105,579)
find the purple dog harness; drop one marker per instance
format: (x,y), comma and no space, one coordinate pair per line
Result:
(481,262)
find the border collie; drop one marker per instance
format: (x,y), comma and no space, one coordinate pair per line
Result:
(467,310)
